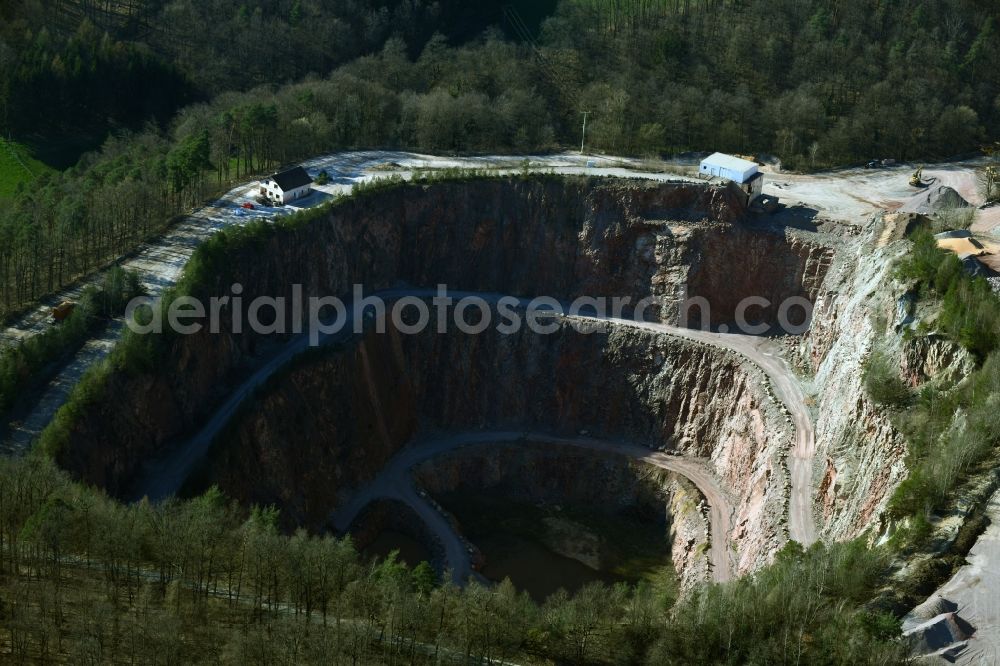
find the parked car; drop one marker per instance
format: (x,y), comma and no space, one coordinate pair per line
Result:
(873,164)
(248,206)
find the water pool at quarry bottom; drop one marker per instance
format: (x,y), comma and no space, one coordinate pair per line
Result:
(534,568)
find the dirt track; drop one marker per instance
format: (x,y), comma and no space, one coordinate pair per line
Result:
(161,265)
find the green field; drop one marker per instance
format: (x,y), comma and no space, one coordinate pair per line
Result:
(17,165)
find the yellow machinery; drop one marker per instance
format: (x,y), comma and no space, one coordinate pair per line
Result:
(917,179)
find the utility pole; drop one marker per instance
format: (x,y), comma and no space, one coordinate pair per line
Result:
(583,141)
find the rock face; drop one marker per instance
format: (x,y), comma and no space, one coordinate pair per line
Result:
(599,482)
(329,425)
(931,357)
(782,268)
(859,459)
(541,236)
(860,455)
(945,635)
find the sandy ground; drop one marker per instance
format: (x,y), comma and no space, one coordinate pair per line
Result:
(963,246)
(992,256)
(852,195)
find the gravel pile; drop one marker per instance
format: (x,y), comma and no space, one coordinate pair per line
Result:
(935,200)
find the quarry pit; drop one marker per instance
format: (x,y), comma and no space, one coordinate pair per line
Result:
(700,435)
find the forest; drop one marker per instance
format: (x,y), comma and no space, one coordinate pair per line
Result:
(219,91)
(206,581)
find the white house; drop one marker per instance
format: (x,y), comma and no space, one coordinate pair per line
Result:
(744,173)
(287,186)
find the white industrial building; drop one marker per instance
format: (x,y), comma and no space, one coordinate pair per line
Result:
(725,166)
(744,173)
(287,186)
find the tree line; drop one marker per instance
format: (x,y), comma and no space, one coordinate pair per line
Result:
(65,225)
(817,84)
(86,579)
(73,84)
(64,63)
(813,83)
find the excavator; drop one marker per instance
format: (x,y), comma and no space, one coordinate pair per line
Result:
(917,179)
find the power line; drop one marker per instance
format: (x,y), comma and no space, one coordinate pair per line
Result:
(545,63)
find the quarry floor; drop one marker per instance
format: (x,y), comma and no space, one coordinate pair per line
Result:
(395,482)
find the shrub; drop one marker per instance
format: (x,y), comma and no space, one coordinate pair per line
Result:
(880,625)
(803,604)
(955,218)
(970,310)
(90,389)
(882,381)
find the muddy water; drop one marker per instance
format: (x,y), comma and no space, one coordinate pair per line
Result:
(534,568)
(411,551)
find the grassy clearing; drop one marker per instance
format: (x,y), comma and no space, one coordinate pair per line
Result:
(18,165)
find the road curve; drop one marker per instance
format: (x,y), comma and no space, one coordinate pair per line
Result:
(161,263)
(395,481)
(165,476)
(762,352)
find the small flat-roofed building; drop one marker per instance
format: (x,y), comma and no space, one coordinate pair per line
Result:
(744,173)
